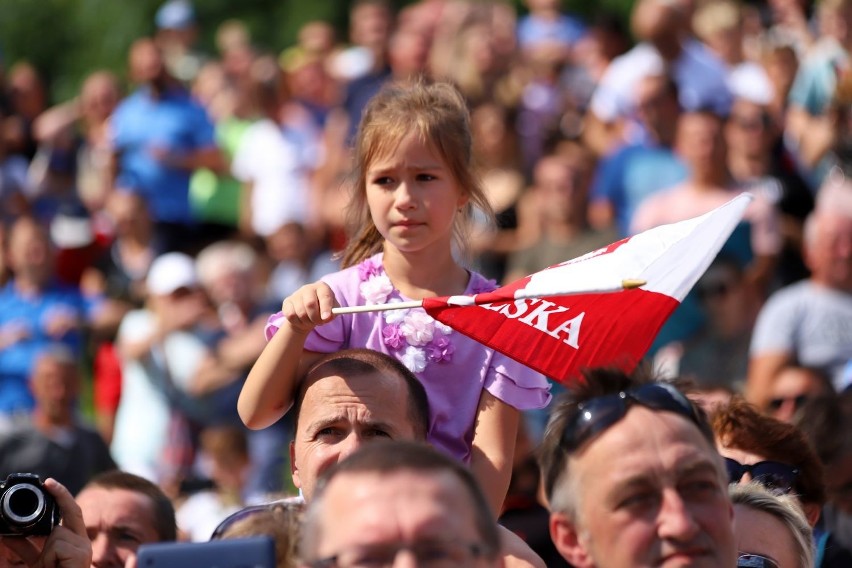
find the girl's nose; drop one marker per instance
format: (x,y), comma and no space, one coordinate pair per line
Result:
(403,197)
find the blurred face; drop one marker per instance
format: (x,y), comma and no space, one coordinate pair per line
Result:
(829,251)
(413,198)
(699,140)
(763,534)
(29,250)
(652,495)
(146,62)
(99,97)
(117,521)
(339,415)
(128,212)
(749,129)
(55,387)
(657,108)
(791,388)
(558,184)
(370,516)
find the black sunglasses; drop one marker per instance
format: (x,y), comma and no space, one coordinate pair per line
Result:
(798,401)
(755,561)
(596,415)
(774,475)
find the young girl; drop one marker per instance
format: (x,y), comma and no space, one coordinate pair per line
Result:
(414,191)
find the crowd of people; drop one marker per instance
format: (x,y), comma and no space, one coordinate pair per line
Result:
(171,250)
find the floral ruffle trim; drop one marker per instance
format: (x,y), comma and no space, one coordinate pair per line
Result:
(418,336)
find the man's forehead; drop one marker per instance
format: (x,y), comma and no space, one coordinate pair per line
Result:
(366,388)
(115,504)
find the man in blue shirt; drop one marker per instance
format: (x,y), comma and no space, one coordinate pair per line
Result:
(160,135)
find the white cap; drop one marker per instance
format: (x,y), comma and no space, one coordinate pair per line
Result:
(749,81)
(170,272)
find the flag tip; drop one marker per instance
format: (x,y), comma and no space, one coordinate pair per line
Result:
(630,283)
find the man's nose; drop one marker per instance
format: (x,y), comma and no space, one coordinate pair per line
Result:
(350,445)
(676,521)
(103,552)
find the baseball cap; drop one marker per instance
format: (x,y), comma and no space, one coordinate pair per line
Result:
(170,272)
(175,15)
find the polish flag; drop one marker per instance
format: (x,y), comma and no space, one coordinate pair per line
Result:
(551,322)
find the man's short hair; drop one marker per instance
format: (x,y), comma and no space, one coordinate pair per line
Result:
(358,362)
(785,508)
(386,457)
(553,456)
(742,426)
(164,511)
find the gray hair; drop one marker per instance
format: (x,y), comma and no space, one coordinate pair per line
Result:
(785,508)
(222,256)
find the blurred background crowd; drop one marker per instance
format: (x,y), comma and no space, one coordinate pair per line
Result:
(151,222)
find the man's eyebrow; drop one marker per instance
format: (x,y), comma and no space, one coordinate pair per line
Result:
(323,422)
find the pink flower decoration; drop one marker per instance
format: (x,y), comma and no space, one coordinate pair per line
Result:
(368,268)
(440,350)
(376,289)
(393,337)
(414,358)
(418,327)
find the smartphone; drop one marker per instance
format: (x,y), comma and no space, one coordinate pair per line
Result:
(252,552)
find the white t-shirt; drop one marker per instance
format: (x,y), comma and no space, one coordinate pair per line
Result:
(277,163)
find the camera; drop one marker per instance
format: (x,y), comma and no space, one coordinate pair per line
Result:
(26,508)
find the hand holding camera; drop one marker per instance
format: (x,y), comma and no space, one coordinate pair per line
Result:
(32,511)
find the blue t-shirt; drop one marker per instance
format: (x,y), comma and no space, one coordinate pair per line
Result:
(565,29)
(32,315)
(174,123)
(632,174)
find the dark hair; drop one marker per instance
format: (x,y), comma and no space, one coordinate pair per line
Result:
(742,426)
(821,419)
(595,383)
(164,512)
(357,362)
(386,457)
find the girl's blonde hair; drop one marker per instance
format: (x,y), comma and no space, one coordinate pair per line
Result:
(437,115)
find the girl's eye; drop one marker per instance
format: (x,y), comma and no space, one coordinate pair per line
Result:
(425,177)
(384,180)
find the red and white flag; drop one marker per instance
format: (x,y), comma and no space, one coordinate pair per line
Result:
(549,322)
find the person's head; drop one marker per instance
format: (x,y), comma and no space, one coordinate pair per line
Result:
(633,478)
(397,498)
(99,96)
(777,454)
(749,130)
(347,399)
(226,450)
(792,388)
(724,295)
(559,183)
(55,384)
(281,520)
(771,526)
(128,212)
(657,106)
(226,269)
(659,22)
(30,255)
(370,24)
(145,62)
(828,247)
(122,511)
(821,419)
(699,141)
(405,126)
(719,25)
(835,19)
(171,281)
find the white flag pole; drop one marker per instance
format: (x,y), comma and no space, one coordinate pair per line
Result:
(627,284)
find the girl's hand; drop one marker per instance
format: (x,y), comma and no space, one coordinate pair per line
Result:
(309,306)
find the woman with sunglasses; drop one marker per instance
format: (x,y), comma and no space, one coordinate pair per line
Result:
(777,455)
(771,530)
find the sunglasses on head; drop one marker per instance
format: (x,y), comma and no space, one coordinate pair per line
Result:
(596,415)
(755,561)
(773,475)
(252,511)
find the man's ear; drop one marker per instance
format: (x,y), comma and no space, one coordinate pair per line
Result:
(294,470)
(566,538)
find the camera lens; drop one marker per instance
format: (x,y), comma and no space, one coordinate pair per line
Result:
(23,504)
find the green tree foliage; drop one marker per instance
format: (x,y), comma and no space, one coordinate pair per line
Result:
(67,39)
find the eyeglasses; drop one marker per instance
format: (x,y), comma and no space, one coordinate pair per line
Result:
(428,554)
(776,476)
(596,415)
(798,401)
(755,561)
(713,290)
(282,505)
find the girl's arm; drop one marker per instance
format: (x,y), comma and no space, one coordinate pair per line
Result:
(271,384)
(493,449)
